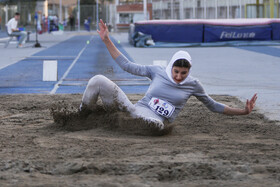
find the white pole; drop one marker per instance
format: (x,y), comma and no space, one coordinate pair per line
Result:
(46,9)
(6,14)
(66,12)
(79,14)
(145,9)
(60,11)
(181,9)
(194,9)
(216,9)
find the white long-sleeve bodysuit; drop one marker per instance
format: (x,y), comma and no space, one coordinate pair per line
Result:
(163,92)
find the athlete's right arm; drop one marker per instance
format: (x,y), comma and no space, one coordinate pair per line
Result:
(122,61)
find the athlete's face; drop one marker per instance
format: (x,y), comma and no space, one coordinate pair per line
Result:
(179,73)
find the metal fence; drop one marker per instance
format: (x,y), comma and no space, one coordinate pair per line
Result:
(27,11)
(105,12)
(215,9)
(162,9)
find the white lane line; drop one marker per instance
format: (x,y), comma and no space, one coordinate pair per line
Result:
(56,86)
(6,38)
(50,57)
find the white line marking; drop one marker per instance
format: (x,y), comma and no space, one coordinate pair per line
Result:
(50,57)
(6,38)
(56,86)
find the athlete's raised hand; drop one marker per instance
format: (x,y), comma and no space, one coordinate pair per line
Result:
(103,30)
(251,104)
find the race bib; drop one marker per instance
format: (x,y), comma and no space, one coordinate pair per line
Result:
(161,107)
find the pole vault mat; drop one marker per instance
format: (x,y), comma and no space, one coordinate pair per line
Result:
(79,58)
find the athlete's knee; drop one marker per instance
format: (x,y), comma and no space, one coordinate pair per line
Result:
(97,80)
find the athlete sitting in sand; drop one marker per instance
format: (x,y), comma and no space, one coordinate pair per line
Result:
(169,90)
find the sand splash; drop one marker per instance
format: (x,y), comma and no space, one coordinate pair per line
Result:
(68,117)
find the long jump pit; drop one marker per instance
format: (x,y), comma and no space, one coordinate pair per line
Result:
(42,147)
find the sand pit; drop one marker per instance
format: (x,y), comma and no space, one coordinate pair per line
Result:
(203,149)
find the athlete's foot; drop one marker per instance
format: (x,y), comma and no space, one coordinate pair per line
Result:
(84,111)
(156,123)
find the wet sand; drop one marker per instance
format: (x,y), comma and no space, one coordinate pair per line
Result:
(203,148)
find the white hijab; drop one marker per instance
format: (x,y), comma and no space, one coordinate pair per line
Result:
(178,55)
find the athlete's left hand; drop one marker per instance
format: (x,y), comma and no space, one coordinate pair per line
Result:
(103,32)
(251,104)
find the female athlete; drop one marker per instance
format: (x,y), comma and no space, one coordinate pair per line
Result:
(168,92)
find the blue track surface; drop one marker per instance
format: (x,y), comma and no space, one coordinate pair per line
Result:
(26,75)
(272,51)
(3,34)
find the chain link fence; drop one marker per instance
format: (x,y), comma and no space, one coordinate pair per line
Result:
(87,15)
(162,9)
(215,9)
(27,11)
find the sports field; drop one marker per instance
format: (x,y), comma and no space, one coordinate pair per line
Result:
(110,149)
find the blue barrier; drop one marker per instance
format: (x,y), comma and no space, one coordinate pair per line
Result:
(275,31)
(185,33)
(226,33)
(198,31)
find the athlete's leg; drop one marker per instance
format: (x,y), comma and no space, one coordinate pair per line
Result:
(111,95)
(113,98)
(148,115)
